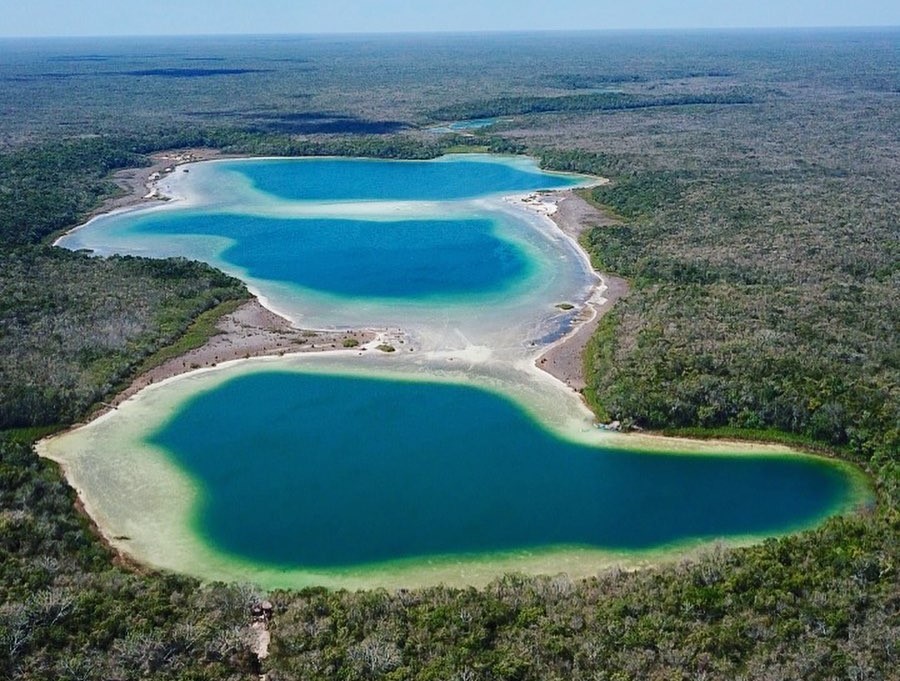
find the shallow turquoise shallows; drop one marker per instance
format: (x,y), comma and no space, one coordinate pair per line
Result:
(330,471)
(333,179)
(360,258)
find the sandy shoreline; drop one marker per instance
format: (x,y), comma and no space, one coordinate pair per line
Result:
(564,359)
(250,331)
(138,184)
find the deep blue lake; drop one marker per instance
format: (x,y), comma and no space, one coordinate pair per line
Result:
(325,471)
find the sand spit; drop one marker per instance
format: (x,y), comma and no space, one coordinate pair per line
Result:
(139,184)
(564,360)
(250,331)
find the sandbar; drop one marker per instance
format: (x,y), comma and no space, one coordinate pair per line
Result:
(251,331)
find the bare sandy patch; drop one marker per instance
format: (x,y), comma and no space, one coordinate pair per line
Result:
(564,359)
(250,331)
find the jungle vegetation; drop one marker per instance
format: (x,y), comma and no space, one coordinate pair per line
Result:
(761,240)
(614,101)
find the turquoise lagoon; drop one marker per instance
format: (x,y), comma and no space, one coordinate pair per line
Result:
(350,242)
(453,463)
(407,259)
(456,177)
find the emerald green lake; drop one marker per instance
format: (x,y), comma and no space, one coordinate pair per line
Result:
(329,471)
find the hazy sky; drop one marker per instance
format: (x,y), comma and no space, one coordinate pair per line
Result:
(145,17)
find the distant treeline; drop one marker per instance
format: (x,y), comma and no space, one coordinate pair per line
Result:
(604,101)
(589,81)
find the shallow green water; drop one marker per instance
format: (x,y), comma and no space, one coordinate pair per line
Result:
(325,471)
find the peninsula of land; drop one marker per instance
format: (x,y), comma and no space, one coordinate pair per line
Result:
(250,331)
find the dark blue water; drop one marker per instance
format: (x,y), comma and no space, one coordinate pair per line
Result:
(321,471)
(332,179)
(361,258)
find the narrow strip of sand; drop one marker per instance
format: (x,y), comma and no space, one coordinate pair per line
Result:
(564,360)
(250,331)
(138,184)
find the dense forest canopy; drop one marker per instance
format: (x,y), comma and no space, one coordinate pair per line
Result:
(755,182)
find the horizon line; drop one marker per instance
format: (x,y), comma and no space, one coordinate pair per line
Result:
(467,32)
